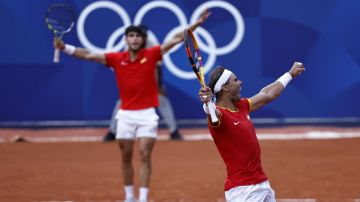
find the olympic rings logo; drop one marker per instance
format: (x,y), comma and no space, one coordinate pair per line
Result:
(210,48)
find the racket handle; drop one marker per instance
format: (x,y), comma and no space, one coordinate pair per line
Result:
(212,110)
(56,55)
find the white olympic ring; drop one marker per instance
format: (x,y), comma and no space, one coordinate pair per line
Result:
(81,24)
(238,20)
(162,4)
(210,47)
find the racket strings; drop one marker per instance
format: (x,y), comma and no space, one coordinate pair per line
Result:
(60,19)
(58,27)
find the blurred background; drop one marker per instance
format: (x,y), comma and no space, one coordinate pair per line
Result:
(257,39)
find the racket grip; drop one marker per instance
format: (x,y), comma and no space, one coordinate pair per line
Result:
(212,109)
(56,55)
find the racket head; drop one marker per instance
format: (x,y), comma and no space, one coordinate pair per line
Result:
(60,19)
(194,56)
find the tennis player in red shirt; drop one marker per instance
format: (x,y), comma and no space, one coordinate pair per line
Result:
(135,76)
(234,134)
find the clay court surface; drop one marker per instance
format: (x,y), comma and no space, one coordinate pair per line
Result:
(73,165)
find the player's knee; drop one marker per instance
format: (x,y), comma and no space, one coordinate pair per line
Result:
(126,156)
(145,155)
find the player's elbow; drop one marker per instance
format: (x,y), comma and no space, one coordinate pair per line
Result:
(89,56)
(94,58)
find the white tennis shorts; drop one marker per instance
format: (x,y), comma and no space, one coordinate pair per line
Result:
(261,192)
(133,124)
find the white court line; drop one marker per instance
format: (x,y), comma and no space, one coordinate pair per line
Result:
(314,135)
(219,200)
(296,200)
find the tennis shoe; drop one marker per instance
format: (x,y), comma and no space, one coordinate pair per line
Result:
(176,135)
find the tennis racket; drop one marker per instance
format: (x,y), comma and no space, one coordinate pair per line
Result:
(60,19)
(195,59)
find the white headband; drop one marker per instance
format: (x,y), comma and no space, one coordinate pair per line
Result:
(222,80)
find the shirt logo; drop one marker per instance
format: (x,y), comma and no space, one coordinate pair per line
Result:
(123,63)
(142,61)
(235,123)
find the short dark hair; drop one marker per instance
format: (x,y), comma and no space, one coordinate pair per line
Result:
(215,76)
(141,29)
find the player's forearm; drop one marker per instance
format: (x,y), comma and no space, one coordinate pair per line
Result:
(272,91)
(170,44)
(202,18)
(179,37)
(81,53)
(76,52)
(84,54)
(194,26)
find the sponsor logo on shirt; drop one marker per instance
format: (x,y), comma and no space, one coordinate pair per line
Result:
(123,63)
(235,123)
(142,61)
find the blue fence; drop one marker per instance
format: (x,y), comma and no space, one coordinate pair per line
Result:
(257,39)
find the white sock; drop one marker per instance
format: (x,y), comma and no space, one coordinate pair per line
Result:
(143,193)
(129,191)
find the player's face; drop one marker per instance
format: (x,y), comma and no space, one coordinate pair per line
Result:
(134,40)
(235,88)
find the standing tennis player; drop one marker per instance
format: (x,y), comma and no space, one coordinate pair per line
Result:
(135,75)
(234,135)
(165,108)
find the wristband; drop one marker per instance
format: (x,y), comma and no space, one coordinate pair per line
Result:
(285,79)
(69,49)
(206,108)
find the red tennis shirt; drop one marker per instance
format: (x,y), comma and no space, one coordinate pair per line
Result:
(136,80)
(236,141)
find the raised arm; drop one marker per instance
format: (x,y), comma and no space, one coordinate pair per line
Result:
(80,53)
(273,90)
(179,37)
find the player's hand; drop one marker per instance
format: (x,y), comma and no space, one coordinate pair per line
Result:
(59,44)
(204,16)
(297,69)
(205,94)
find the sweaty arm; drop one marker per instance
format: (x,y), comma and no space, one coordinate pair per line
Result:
(266,95)
(179,37)
(273,90)
(80,53)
